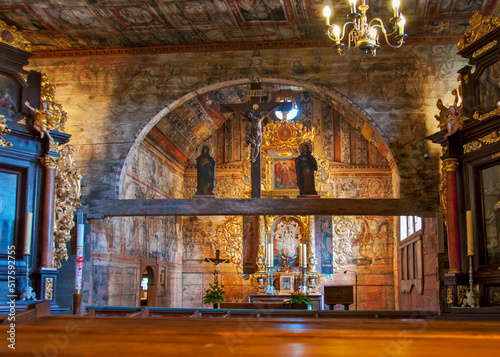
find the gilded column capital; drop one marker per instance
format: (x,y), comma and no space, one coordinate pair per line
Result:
(450,165)
(50,162)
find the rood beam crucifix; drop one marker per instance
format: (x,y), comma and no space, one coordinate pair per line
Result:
(255,111)
(217,261)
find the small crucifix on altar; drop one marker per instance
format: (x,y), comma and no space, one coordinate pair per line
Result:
(217,261)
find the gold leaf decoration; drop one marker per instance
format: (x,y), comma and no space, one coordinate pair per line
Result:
(231,232)
(4,131)
(67,198)
(479,26)
(11,36)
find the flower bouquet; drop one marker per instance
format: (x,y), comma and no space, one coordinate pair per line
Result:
(214,294)
(299,298)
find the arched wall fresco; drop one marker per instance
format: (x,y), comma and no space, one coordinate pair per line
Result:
(335,99)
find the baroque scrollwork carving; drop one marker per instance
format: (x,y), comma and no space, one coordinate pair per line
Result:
(11,36)
(67,198)
(4,131)
(442,194)
(285,134)
(231,232)
(49,289)
(479,26)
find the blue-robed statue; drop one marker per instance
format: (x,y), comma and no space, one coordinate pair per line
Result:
(205,166)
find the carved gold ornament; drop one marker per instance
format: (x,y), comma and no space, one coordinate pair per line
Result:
(49,289)
(479,26)
(49,162)
(11,36)
(462,291)
(67,198)
(231,232)
(443,198)
(450,165)
(4,131)
(449,295)
(286,134)
(488,115)
(58,116)
(478,144)
(484,49)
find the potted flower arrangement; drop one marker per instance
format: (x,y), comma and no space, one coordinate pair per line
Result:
(214,294)
(299,300)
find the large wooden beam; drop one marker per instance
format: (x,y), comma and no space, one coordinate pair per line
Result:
(258,206)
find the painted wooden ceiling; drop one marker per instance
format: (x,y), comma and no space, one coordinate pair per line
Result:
(64,27)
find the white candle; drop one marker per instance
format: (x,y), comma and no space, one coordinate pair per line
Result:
(470,233)
(28,232)
(80,230)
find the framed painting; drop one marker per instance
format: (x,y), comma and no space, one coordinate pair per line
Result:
(490,187)
(9,207)
(286,283)
(285,176)
(489,91)
(10,93)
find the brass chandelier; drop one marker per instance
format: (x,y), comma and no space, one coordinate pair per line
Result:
(363,34)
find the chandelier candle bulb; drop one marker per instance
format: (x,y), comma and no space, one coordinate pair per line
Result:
(326,13)
(28,232)
(401,24)
(395,5)
(470,234)
(353,6)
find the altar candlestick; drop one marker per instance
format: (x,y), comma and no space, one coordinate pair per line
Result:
(28,233)
(470,234)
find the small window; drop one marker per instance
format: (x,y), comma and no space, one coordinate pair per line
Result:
(409,225)
(144,283)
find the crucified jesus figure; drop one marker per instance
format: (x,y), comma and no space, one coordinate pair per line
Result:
(254,136)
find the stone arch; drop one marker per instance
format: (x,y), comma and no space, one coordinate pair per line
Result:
(330,96)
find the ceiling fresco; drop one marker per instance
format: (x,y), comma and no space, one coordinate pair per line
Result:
(56,26)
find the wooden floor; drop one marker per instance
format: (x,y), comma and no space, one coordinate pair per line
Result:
(66,335)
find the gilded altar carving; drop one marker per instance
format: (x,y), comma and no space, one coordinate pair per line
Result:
(49,162)
(449,295)
(58,115)
(12,37)
(462,291)
(67,198)
(478,144)
(450,165)
(479,26)
(488,115)
(442,194)
(49,289)
(484,49)
(231,232)
(4,131)
(286,134)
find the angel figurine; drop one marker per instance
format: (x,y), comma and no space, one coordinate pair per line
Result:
(44,119)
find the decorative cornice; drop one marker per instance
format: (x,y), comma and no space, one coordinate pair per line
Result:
(479,27)
(12,37)
(221,47)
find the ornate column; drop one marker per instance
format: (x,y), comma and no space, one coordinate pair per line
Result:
(454,252)
(47,236)
(46,273)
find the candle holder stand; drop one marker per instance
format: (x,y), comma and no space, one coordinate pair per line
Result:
(28,293)
(471,297)
(303,277)
(270,290)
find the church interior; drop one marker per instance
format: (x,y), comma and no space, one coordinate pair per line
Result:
(153,152)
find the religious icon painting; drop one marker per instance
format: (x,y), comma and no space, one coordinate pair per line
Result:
(285,177)
(286,283)
(9,96)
